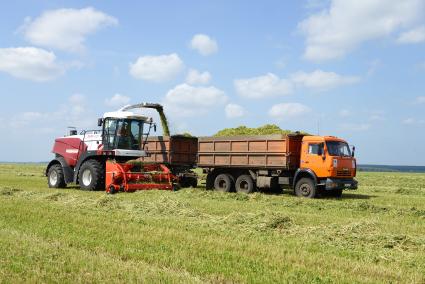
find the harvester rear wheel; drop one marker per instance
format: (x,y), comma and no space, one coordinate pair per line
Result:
(223,182)
(92,175)
(55,177)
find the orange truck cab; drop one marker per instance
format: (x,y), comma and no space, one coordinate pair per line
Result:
(327,164)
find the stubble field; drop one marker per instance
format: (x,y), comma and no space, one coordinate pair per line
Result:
(374,234)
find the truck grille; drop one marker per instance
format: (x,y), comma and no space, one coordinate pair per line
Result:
(343,173)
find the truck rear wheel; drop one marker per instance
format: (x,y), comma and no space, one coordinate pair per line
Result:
(223,182)
(245,184)
(305,188)
(55,177)
(91,175)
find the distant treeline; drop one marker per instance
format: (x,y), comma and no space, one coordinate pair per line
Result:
(385,168)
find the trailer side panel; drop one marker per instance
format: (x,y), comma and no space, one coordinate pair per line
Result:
(172,150)
(266,151)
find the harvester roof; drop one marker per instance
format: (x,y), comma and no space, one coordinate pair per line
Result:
(125,115)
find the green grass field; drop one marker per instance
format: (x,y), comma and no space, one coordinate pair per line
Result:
(375,234)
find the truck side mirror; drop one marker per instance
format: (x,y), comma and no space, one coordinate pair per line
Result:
(352,151)
(154,127)
(99,122)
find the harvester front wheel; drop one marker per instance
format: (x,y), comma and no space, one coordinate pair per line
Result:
(91,175)
(55,177)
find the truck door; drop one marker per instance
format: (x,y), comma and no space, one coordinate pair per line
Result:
(312,158)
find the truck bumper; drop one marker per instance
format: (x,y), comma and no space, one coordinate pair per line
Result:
(335,183)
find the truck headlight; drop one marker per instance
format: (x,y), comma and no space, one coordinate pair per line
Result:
(335,163)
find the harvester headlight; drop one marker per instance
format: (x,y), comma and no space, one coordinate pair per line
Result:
(335,163)
(353,164)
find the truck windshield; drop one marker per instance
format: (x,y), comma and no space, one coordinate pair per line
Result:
(337,148)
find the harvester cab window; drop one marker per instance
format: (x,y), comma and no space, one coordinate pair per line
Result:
(122,134)
(110,127)
(128,134)
(315,149)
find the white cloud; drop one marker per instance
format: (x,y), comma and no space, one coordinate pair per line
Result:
(373,66)
(415,35)
(271,85)
(377,117)
(204,44)
(346,24)
(30,63)
(321,80)
(26,118)
(75,112)
(234,111)
(409,121)
(288,110)
(344,113)
(196,77)
(77,104)
(157,68)
(420,100)
(413,121)
(262,86)
(186,100)
(355,126)
(117,100)
(66,29)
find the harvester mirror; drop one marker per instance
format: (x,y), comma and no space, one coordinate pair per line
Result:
(352,151)
(99,122)
(154,127)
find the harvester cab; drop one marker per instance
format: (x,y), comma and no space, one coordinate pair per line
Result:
(124,132)
(109,158)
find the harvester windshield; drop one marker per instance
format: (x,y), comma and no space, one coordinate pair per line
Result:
(122,134)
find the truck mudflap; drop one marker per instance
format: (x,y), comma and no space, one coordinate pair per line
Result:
(336,183)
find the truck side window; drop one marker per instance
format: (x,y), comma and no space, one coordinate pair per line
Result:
(315,149)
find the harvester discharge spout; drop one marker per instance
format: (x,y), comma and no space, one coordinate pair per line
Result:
(159,108)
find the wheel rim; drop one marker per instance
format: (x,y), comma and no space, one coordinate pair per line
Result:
(53,178)
(222,184)
(305,189)
(87,177)
(243,185)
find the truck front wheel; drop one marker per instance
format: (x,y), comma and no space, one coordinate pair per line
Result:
(223,182)
(305,188)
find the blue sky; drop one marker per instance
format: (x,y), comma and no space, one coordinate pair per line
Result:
(351,68)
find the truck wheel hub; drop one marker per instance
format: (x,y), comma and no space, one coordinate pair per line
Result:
(87,177)
(305,189)
(222,184)
(244,185)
